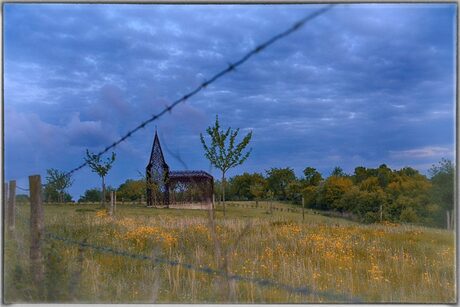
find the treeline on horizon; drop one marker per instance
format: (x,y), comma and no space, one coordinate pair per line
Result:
(367,195)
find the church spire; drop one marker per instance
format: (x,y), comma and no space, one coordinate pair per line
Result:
(157,153)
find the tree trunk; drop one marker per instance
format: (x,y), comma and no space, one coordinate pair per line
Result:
(103,193)
(223,190)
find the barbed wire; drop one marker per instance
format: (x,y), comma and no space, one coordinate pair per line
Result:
(231,67)
(203,269)
(207,270)
(24,189)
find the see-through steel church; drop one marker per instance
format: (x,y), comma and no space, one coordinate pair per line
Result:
(176,189)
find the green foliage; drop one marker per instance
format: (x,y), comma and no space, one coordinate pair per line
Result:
(91,195)
(442,178)
(409,215)
(368,204)
(332,191)
(310,194)
(131,190)
(312,176)
(99,167)
(258,189)
(294,192)
(52,195)
(338,172)
(278,180)
(57,183)
(240,185)
(222,154)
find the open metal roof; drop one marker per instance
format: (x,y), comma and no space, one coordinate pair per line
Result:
(177,174)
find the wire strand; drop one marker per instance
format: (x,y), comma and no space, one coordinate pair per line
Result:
(231,67)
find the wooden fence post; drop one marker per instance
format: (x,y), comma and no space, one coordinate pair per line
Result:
(115,202)
(11,205)
(112,201)
(213,200)
(37,229)
(303,209)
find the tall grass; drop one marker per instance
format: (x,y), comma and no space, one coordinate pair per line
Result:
(377,263)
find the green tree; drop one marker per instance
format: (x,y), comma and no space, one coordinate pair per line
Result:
(331,192)
(52,195)
(223,153)
(310,193)
(338,172)
(360,174)
(370,205)
(442,179)
(312,176)
(384,175)
(258,189)
(57,183)
(410,189)
(240,185)
(294,191)
(278,180)
(100,167)
(91,195)
(131,190)
(370,184)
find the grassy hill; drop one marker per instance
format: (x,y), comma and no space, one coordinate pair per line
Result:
(335,259)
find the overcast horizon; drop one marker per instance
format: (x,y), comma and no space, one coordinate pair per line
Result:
(361,85)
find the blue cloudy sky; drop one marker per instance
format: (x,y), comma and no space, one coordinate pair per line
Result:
(360,85)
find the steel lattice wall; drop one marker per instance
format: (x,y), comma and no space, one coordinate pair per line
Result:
(166,187)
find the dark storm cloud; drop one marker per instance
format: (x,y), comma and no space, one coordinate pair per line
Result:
(360,85)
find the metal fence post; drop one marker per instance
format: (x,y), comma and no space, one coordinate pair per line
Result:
(37,230)
(11,206)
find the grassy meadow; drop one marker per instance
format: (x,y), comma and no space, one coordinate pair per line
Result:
(374,263)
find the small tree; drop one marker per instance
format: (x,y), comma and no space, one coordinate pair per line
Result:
(257,189)
(99,167)
(57,181)
(222,152)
